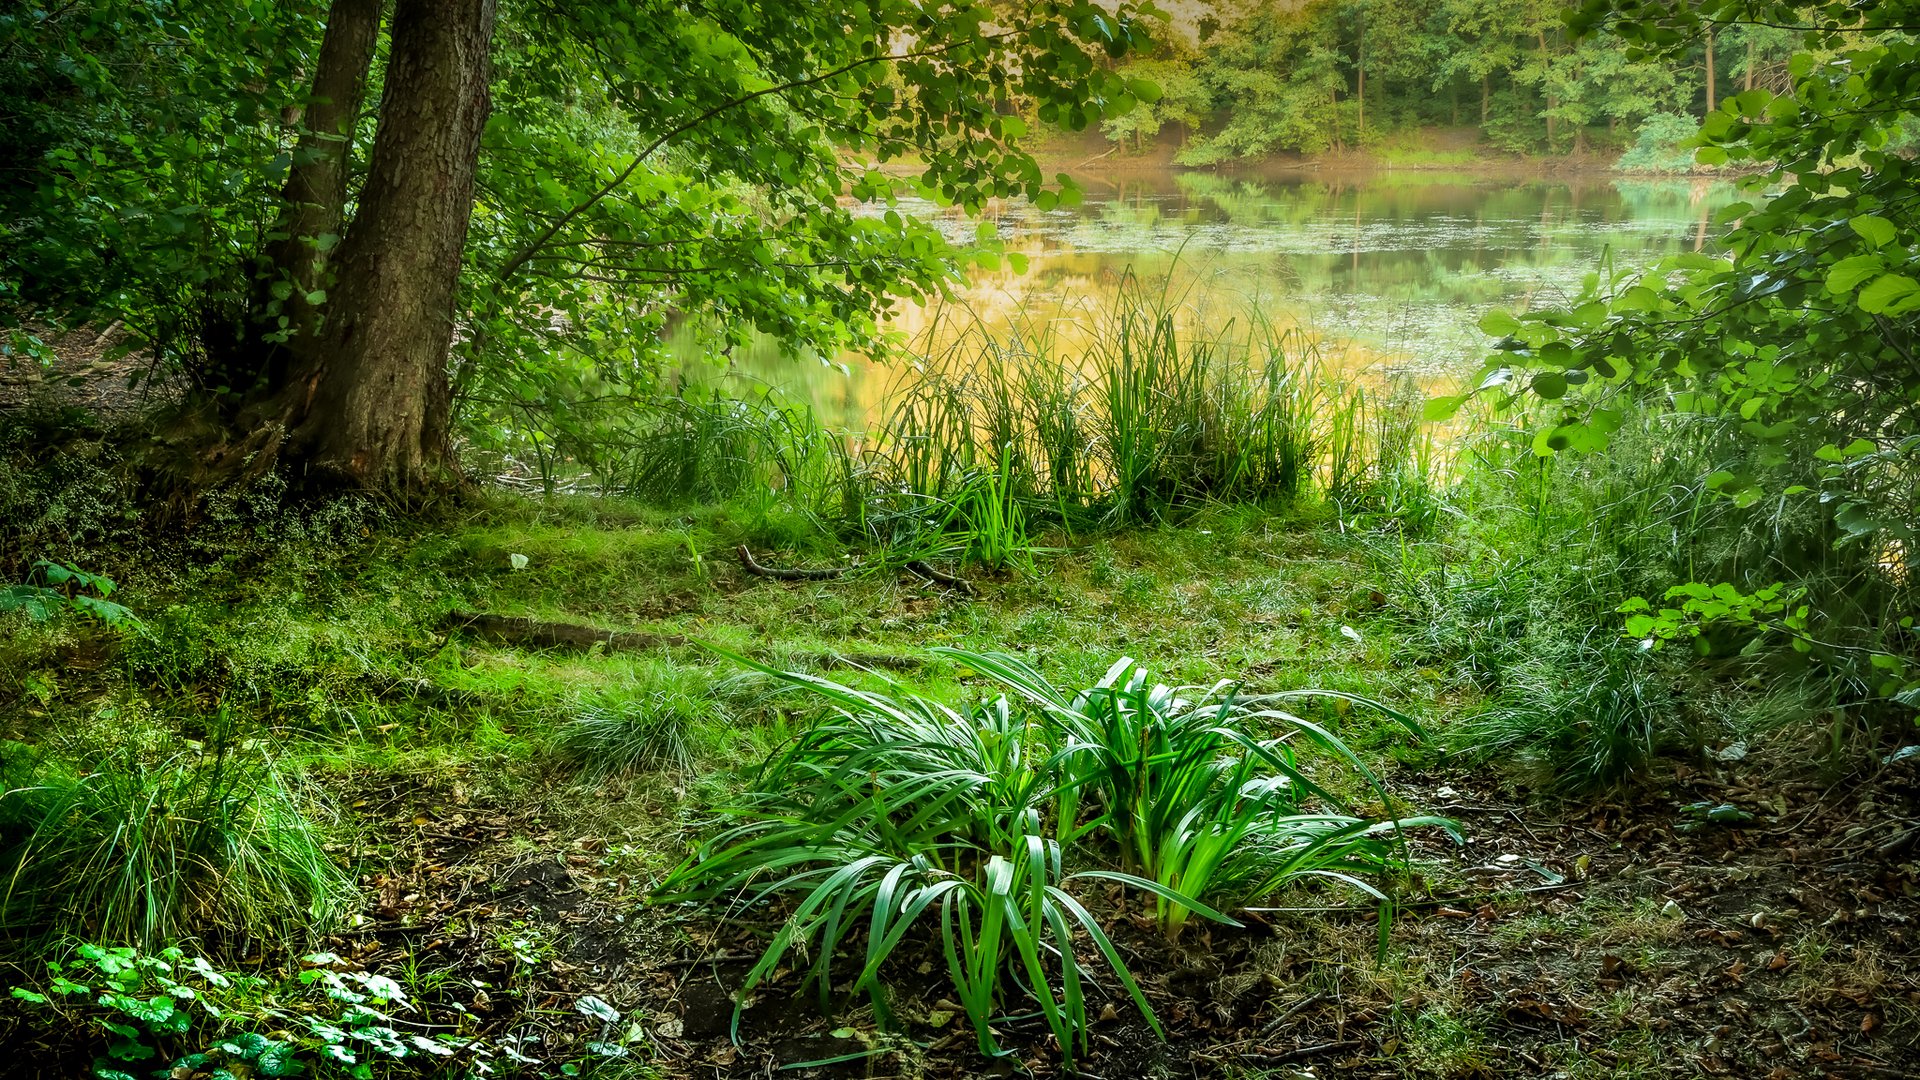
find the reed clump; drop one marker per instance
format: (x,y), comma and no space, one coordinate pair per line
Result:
(1145,416)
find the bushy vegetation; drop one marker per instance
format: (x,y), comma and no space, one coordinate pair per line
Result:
(1661,144)
(1144,417)
(148,854)
(1670,516)
(1258,79)
(898,809)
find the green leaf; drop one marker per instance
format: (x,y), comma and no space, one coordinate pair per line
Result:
(1442,408)
(1498,323)
(1876,231)
(1890,294)
(1846,275)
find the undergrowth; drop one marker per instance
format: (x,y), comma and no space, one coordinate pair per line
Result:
(151,853)
(896,810)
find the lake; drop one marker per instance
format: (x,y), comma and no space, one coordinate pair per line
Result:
(1387,273)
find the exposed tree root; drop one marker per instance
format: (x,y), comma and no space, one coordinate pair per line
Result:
(940,577)
(918,567)
(539,634)
(747,560)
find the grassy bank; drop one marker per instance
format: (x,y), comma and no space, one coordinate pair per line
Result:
(505,809)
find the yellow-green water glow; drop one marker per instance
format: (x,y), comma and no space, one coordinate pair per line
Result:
(1387,272)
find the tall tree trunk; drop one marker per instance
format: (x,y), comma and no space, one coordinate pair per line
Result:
(1334,117)
(1746,80)
(1546,84)
(1486,98)
(370,409)
(1710,94)
(1360,67)
(316,188)
(281,323)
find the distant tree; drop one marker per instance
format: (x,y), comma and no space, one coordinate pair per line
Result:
(1183,100)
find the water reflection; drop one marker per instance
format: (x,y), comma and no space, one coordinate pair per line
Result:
(1387,272)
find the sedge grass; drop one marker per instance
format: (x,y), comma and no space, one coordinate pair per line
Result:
(149,854)
(896,811)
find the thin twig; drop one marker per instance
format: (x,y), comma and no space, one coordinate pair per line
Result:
(823,574)
(940,577)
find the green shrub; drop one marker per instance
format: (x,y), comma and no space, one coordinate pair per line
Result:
(1660,145)
(150,854)
(896,810)
(1590,715)
(1529,584)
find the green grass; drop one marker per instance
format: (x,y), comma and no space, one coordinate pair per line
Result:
(1591,717)
(150,854)
(1148,416)
(651,727)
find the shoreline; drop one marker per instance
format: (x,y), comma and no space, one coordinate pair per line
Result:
(1590,168)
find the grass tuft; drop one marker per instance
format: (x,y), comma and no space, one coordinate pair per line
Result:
(643,734)
(148,855)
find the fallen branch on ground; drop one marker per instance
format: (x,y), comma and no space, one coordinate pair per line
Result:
(958,584)
(746,560)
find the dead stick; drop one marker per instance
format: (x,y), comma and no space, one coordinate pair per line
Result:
(1312,1051)
(940,577)
(746,560)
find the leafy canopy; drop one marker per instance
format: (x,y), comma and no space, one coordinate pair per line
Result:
(643,160)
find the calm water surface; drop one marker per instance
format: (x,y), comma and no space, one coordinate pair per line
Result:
(1389,272)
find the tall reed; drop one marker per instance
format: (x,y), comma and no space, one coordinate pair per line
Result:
(1145,411)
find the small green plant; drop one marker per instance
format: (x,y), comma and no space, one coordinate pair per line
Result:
(52,587)
(165,1014)
(146,854)
(896,810)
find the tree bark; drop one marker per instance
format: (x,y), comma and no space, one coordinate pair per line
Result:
(1710,87)
(1360,68)
(248,352)
(316,190)
(370,407)
(1546,83)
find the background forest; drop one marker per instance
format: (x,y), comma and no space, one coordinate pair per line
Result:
(1243,81)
